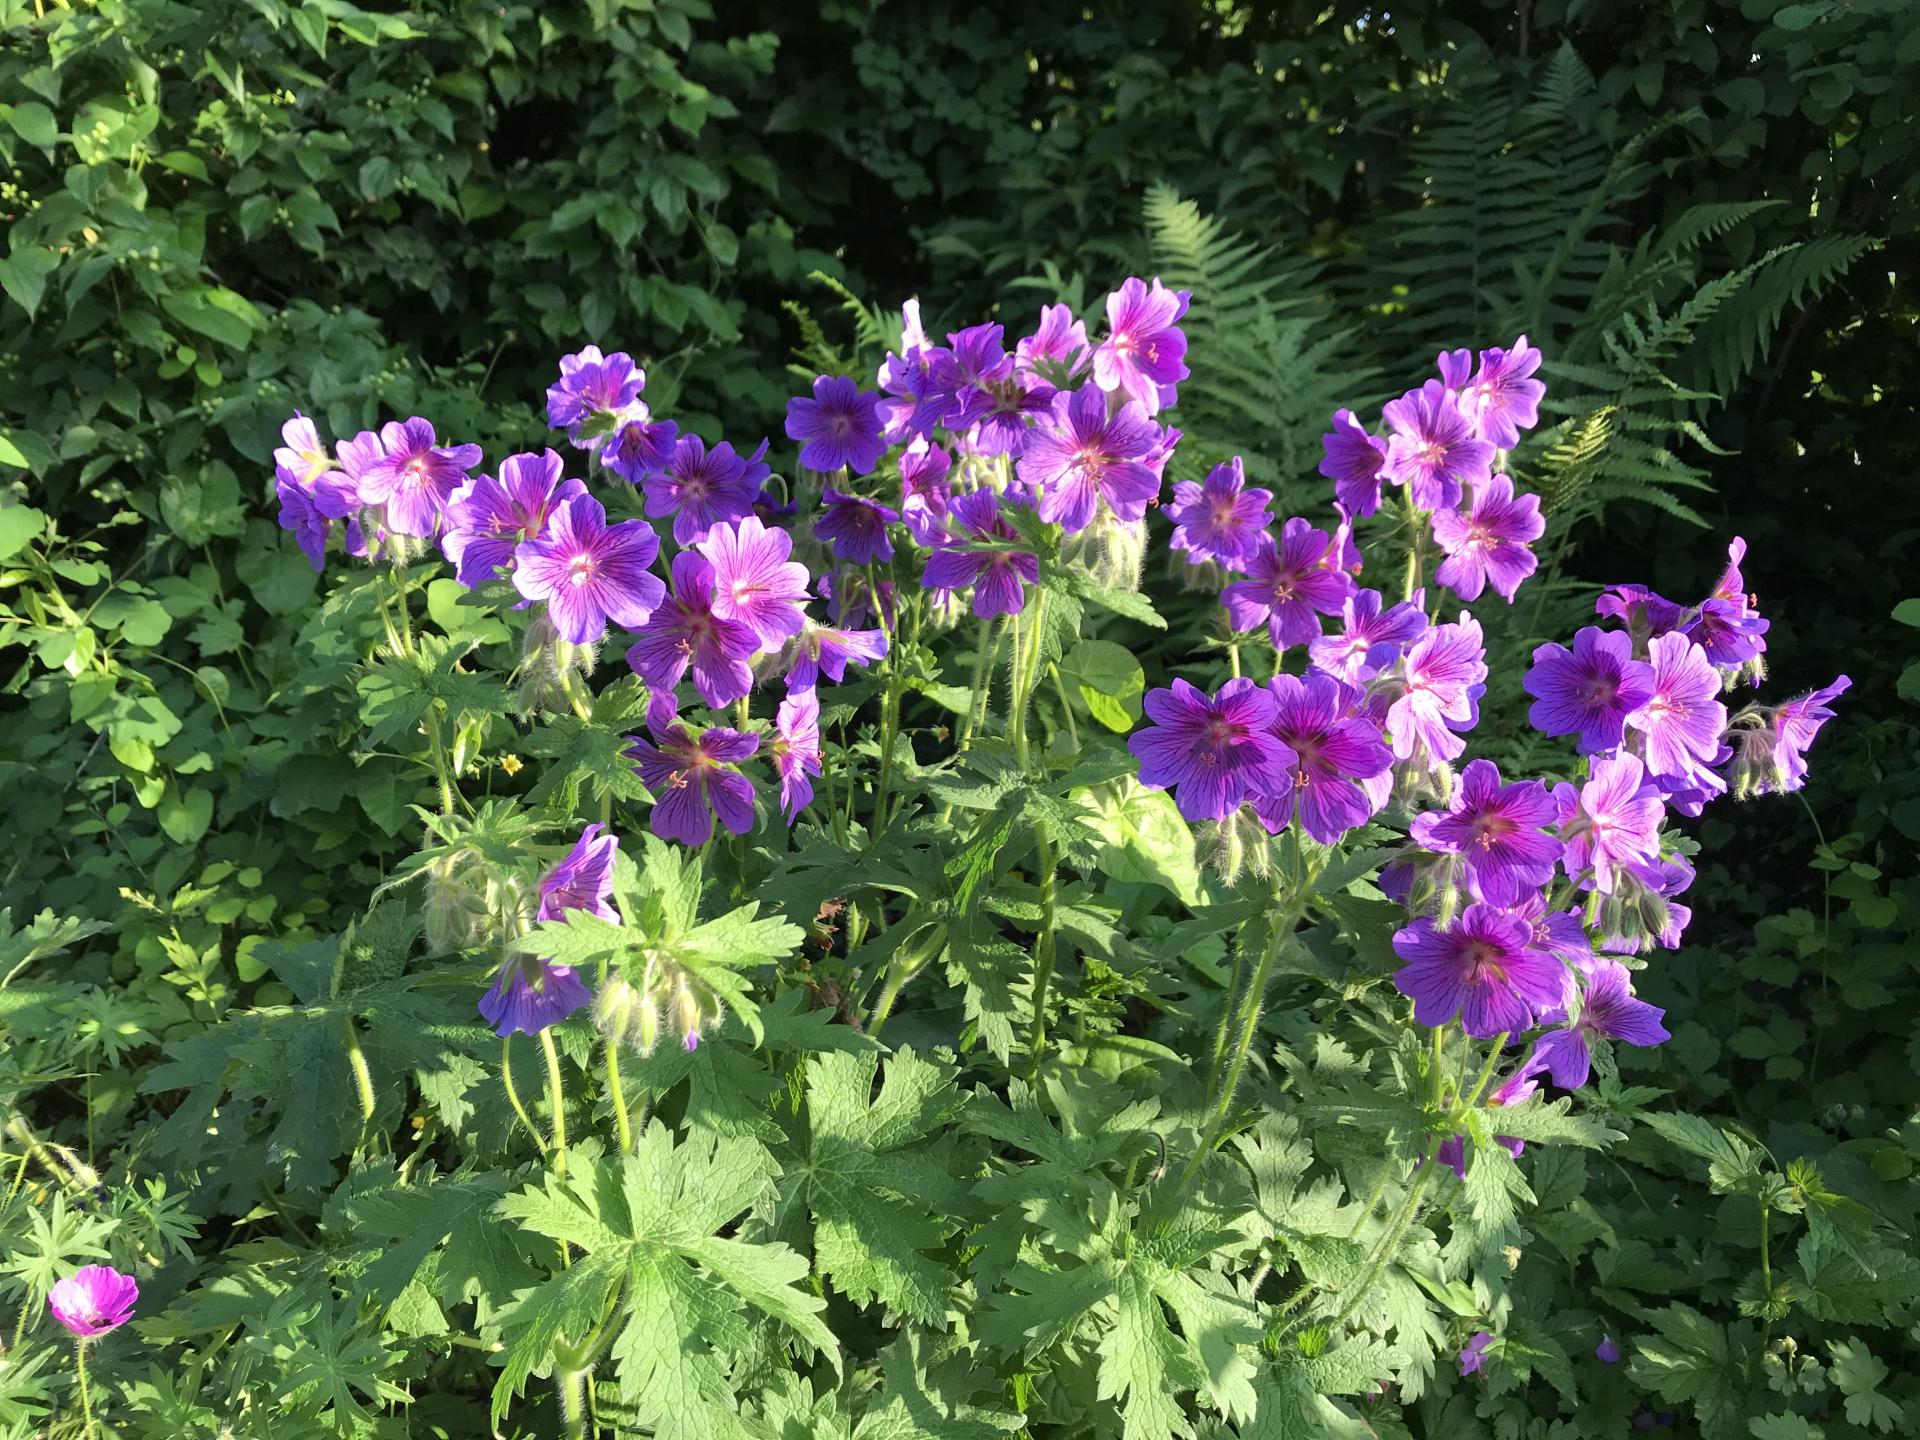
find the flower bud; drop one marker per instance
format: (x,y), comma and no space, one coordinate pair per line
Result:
(455,913)
(1110,549)
(1237,844)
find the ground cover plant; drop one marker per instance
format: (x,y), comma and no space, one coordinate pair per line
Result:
(819,980)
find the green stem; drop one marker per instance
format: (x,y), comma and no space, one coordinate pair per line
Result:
(442,769)
(513,1095)
(982,680)
(1373,1199)
(1486,1073)
(1229,1007)
(889,732)
(1389,1245)
(557,1096)
(1283,925)
(570,1383)
(1066,706)
(400,604)
(362,1076)
(1026,674)
(1766,1272)
(1416,549)
(1043,957)
(616,1093)
(86,1398)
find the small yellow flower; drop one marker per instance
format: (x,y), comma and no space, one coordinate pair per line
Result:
(512,764)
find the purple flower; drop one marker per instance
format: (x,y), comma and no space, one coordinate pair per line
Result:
(693,778)
(590,572)
(1214,753)
(1353,462)
(1559,933)
(924,491)
(856,527)
(1588,691)
(1287,586)
(684,632)
(1489,542)
(583,880)
(299,514)
(1482,970)
(594,394)
(1088,456)
(1610,821)
(1456,367)
(753,580)
(1682,717)
(1473,1359)
(1644,613)
(1606,1352)
(1608,1008)
(1432,450)
(1335,753)
(702,488)
(1770,746)
(1497,830)
(1517,1090)
(840,426)
(1727,626)
(1059,340)
(93,1300)
(639,448)
(999,575)
(1144,354)
(415,478)
(529,996)
(1370,639)
(1220,518)
(1502,399)
(1442,678)
(300,453)
(488,518)
(822,650)
(796,750)
(967,371)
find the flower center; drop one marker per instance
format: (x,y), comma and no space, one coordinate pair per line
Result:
(1486,964)
(580,570)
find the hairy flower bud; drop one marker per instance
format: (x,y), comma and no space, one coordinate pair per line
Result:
(1237,844)
(1110,549)
(455,912)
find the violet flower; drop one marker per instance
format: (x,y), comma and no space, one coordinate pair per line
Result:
(684,632)
(999,575)
(488,518)
(694,778)
(1503,399)
(839,425)
(1335,752)
(1441,679)
(1682,718)
(1219,519)
(1588,691)
(1610,821)
(1482,970)
(823,651)
(1497,830)
(1488,544)
(1432,450)
(583,880)
(1088,456)
(594,394)
(590,572)
(639,448)
(1059,340)
(1353,461)
(702,488)
(416,477)
(1370,639)
(1144,354)
(92,1301)
(856,527)
(795,749)
(530,995)
(1215,752)
(1287,587)
(924,491)
(754,581)
(1609,1009)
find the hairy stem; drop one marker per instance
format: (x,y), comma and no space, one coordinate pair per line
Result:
(1043,956)
(86,1397)
(557,1096)
(617,1095)
(513,1095)
(362,1075)
(1389,1244)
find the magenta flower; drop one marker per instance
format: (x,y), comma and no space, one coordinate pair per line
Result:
(702,488)
(753,580)
(684,633)
(924,491)
(1287,586)
(1588,691)
(795,749)
(529,996)
(93,1300)
(1473,1359)
(1611,821)
(1682,718)
(1335,753)
(1432,450)
(594,394)
(1220,518)
(1353,461)
(1370,640)
(583,880)
(300,452)
(590,572)
(839,426)
(1608,1009)
(1213,753)
(966,373)
(1060,340)
(641,447)
(821,650)
(1443,676)
(1456,368)
(1482,970)
(856,527)
(1727,625)
(488,518)
(1489,543)
(1644,613)
(998,573)
(1557,933)
(1144,354)
(416,477)
(1503,399)
(1496,830)
(1088,456)
(1770,746)
(694,778)
(302,516)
